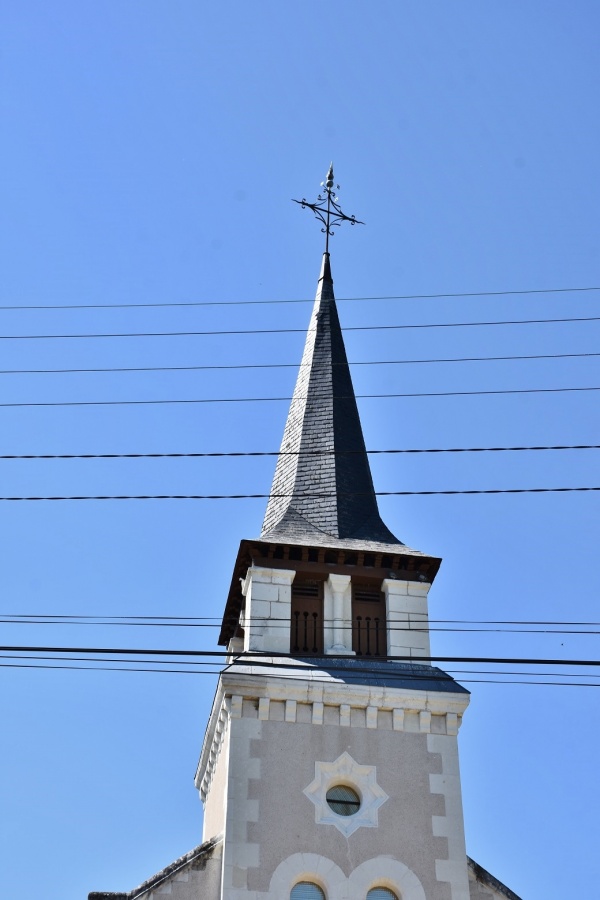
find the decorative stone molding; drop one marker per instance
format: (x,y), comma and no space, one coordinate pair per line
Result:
(215,749)
(305,867)
(367,715)
(385,872)
(363,779)
(382,871)
(351,706)
(451,825)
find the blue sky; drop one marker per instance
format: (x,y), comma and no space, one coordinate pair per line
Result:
(149,154)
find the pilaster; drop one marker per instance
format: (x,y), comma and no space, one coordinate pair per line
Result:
(407,618)
(337,611)
(268,609)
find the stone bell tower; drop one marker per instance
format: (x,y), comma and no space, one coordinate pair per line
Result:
(329,769)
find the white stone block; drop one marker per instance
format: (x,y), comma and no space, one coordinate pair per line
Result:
(280,614)
(252,810)
(261,591)
(259,609)
(394,587)
(451,723)
(440,826)
(246,855)
(283,576)
(398,719)
(455,872)
(418,589)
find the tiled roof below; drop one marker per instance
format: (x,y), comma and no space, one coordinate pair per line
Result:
(483,877)
(194,859)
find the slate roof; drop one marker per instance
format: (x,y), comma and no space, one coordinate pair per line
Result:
(315,497)
(371,672)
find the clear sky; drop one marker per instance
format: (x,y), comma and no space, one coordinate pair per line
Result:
(149,154)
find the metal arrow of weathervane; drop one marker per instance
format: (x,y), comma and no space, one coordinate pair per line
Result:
(327,208)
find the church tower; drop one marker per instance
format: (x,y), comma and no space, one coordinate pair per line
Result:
(329,769)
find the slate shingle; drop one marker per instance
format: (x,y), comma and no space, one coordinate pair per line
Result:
(323,417)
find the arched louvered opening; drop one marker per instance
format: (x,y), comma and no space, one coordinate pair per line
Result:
(307,890)
(306,631)
(381,893)
(368,621)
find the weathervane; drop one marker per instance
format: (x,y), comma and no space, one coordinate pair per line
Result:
(327,208)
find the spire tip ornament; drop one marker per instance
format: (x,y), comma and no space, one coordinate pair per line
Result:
(327,209)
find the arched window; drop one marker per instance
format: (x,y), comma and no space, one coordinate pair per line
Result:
(381,893)
(306,890)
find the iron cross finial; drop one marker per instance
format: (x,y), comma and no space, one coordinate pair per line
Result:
(327,209)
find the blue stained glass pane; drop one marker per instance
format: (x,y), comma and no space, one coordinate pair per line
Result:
(381,893)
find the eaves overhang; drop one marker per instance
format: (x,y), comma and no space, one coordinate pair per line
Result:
(369,559)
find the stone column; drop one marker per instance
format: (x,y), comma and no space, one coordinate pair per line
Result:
(337,608)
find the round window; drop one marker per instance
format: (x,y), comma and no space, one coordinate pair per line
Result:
(343,800)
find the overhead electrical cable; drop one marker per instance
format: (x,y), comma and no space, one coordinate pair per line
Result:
(282,664)
(192,303)
(5,665)
(383,362)
(218,619)
(265,658)
(219,666)
(146,334)
(309,453)
(289,661)
(197,400)
(538,490)
(284,624)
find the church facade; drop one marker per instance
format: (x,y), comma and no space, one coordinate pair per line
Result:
(329,769)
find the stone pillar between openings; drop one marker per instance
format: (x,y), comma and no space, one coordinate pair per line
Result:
(337,613)
(407,618)
(268,594)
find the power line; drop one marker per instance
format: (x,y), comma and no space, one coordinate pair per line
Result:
(284,677)
(138,334)
(285,623)
(384,362)
(197,400)
(265,659)
(284,662)
(309,453)
(554,490)
(217,619)
(304,300)
(219,665)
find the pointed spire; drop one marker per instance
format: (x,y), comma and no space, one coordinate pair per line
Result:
(322,486)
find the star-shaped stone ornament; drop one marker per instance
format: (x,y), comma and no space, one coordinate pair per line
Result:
(345,771)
